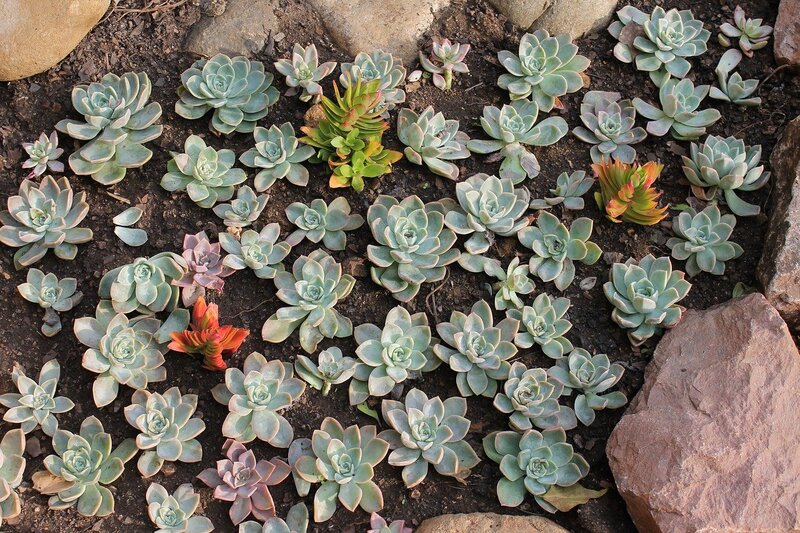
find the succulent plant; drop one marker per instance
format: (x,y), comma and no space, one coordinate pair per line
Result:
(52,295)
(512,282)
(569,191)
(122,350)
(545,69)
(322,222)
(148,285)
(556,248)
(378,65)
(544,324)
(278,154)
(477,349)
(732,88)
(533,462)
(172,513)
(390,355)
(627,192)
(167,430)
(413,247)
(590,376)
(445,58)
(645,296)
(378,524)
(44,217)
(245,482)
(43,154)
(342,461)
(204,173)
(12,467)
(206,268)
(258,251)
(331,369)
(530,396)
(432,140)
(663,40)
(243,210)
(723,166)
(702,240)
(678,114)
(303,72)
(237,89)
(751,33)
(36,403)
(296,522)
(428,432)
(117,122)
(85,463)
(609,127)
(513,127)
(371,162)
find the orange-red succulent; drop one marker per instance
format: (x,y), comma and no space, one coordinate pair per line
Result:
(627,192)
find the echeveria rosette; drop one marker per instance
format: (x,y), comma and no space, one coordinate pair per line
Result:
(428,432)
(530,396)
(243,210)
(205,268)
(245,482)
(319,221)
(645,296)
(432,140)
(590,377)
(512,283)
(147,285)
(172,513)
(312,289)
(296,522)
(44,217)
(477,349)
(303,72)
(36,403)
(278,155)
(609,126)
(732,88)
(569,192)
(331,368)
(86,462)
(237,89)
(259,251)
(42,155)
(12,467)
(532,463)
(628,193)
(378,65)
(445,58)
(167,430)
(256,397)
(543,324)
(751,33)
(51,294)
(556,248)
(343,461)
(389,356)
(545,69)
(378,524)
(701,239)
(679,114)
(511,129)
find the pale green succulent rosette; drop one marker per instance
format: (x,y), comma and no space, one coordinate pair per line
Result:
(432,140)
(609,126)
(51,294)
(569,192)
(702,240)
(303,72)
(530,396)
(43,154)
(296,522)
(146,286)
(679,114)
(331,369)
(377,65)
(12,467)
(445,58)
(751,33)
(278,154)
(172,513)
(36,403)
(259,251)
(319,221)
(243,210)
(544,324)
(732,88)
(512,283)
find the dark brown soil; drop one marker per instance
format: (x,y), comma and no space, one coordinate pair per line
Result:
(152,43)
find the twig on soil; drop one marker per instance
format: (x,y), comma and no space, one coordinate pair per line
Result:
(468,89)
(780,68)
(240,313)
(151,8)
(118,197)
(431,298)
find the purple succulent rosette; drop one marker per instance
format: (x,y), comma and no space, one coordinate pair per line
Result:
(206,268)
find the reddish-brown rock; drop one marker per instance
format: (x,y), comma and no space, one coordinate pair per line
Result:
(787,33)
(488,523)
(710,442)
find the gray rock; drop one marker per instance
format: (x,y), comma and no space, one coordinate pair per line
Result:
(575,17)
(521,13)
(787,33)
(241,30)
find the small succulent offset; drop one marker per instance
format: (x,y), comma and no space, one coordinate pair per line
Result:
(480,349)
(733,89)
(723,166)
(258,251)
(204,173)
(117,122)
(371,162)
(428,432)
(569,191)
(86,462)
(322,222)
(678,114)
(331,369)
(243,210)
(278,154)
(627,192)
(702,240)
(303,72)
(51,294)
(172,513)
(751,33)
(556,248)
(44,217)
(342,461)
(645,296)
(42,155)
(255,398)
(122,227)
(544,324)
(36,403)
(533,462)
(237,89)
(12,467)
(609,127)
(664,39)
(545,69)
(590,376)
(512,282)
(205,268)
(167,430)
(378,524)
(432,140)
(444,59)
(413,247)
(296,522)
(378,65)
(531,398)
(148,285)
(245,482)
(489,206)
(513,127)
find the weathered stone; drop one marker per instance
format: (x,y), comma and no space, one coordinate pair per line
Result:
(365,25)
(241,30)
(37,34)
(521,13)
(488,523)
(779,269)
(787,33)
(575,17)
(710,442)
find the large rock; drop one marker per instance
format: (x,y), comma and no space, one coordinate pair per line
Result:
(575,17)
(488,523)
(710,442)
(37,34)
(787,33)
(241,30)
(365,25)
(521,13)
(779,269)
